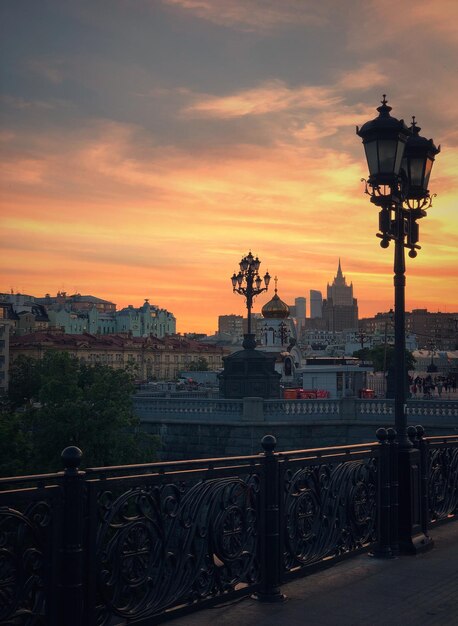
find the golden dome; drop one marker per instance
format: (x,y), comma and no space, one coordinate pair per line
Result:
(275,308)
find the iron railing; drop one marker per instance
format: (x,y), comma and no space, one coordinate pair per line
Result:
(135,544)
(440,464)
(329,503)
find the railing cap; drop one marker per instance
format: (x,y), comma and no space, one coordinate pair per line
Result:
(381,434)
(391,432)
(71,459)
(269,443)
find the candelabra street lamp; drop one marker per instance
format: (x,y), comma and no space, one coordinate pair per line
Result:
(400,163)
(248,283)
(249,373)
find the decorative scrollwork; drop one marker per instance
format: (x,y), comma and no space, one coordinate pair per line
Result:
(159,545)
(23,539)
(330,510)
(443,482)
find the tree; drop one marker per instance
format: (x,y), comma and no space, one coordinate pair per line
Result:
(383,357)
(77,404)
(24,381)
(201,365)
(15,442)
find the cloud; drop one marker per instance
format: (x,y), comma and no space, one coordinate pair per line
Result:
(22,104)
(406,24)
(51,69)
(139,212)
(167,159)
(270,97)
(256,15)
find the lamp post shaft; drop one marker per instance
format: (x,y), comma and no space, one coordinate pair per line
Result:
(399,339)
(249,297)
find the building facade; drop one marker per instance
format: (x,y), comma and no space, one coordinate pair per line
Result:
(149,358)
(145,320)
(437,331)
(78,314)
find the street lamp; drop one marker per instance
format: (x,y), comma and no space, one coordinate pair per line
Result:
(400,163)
(248,283)
(283,333)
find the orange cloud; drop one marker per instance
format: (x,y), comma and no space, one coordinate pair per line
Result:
(272,96)
(106,211)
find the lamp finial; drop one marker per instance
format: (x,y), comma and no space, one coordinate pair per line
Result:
(384,109)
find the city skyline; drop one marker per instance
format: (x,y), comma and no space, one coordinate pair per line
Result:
(146,147)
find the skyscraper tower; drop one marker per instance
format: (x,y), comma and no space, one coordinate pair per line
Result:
(339,292)
(340,309)
(316,304)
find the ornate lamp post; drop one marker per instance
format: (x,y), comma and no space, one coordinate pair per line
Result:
(400,163)
(248,283)
(283,333)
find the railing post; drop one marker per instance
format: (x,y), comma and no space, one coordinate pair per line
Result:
(412,539)
(424,478)
(383,549)
(394,490)
(71,587)
(270,557)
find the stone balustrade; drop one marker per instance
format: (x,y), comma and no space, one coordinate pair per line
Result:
(151,408)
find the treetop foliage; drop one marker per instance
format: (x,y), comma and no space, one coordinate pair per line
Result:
(58,401)
(383,357)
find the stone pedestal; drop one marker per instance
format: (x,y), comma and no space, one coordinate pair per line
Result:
(249,373)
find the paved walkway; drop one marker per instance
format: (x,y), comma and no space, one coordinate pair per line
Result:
(410,591)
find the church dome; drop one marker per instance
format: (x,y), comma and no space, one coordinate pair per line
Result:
(275,308)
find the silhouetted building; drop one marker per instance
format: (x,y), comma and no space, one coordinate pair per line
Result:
(231,325)
(316,304)
(297,312)
(340,309)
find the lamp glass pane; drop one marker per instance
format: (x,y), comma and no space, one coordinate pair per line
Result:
(428,167)
(399,157)
(405,166)
(416,172)
(371,156)
(387,154)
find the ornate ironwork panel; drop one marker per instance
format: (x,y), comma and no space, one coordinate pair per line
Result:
(171,540)
(329,509)
(443,482)
(29,527)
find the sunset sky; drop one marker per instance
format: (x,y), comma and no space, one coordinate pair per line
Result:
(147,145)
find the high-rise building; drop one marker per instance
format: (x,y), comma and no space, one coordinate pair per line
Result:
(340,309)
(231,325)
(300,313)
(316,304)
(297,312)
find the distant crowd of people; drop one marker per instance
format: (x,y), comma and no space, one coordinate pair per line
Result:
(430,386)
